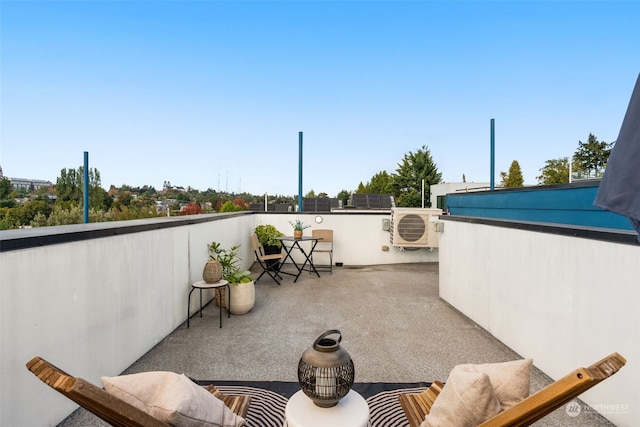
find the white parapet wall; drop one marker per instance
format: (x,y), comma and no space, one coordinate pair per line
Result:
(563,301)
(359,239)
(94,306)
(102,295)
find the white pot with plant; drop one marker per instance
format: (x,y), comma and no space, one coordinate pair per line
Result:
(243,291)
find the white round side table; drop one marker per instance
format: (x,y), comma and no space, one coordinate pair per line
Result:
(202,285)
(351,411)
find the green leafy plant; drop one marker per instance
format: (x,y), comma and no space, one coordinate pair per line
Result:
(229,259)
(298,225)
(267,235)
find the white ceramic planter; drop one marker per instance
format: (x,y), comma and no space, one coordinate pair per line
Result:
(243,297)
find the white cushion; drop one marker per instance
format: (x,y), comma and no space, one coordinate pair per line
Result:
(173,399)
(466,400)
(510,380)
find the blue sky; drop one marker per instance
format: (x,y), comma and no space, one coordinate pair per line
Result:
(212,94)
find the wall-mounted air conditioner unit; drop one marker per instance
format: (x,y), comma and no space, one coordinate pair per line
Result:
(414,227)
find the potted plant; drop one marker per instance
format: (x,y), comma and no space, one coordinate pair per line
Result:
(298,226)
(267,236)
(243,293)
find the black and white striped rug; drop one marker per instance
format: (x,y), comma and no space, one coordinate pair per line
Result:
(266,409)
(269,400)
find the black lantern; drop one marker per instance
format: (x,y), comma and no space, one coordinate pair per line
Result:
(325,371)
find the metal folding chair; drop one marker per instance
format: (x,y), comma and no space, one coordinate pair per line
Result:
(270,264)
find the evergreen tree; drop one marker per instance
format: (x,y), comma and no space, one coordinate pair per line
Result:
(408,181)
(344,196)
(381,183)
(514,177)
(592,156)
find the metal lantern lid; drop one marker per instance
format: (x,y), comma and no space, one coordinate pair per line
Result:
(326,371)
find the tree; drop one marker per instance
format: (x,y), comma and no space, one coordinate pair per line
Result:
(148,191)
(555,171)
(241,203)
(28,211)
(9,219)
(124,213)
(381,183)
(191,209)
(70,188)
(514,177)
(42,193)
(344,196)
(6,201)
(229,206)
(592,156)
(408,181)
(5,188)
(124,198)
(71,215)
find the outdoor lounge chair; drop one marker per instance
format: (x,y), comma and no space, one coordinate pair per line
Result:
(108,407)
(417,405)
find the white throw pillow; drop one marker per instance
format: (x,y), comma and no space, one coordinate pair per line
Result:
(173,399)
(466,400)
(510,380)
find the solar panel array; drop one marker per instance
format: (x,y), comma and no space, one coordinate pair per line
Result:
(319,204)
(372,201)
(324,204)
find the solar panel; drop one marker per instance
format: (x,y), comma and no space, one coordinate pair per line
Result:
(386,201)
(316,205)
(322,205)
(374,201)
(283,207)
(360,201)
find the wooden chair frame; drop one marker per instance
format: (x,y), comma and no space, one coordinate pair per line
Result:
(108,407)
(263,260)
(416,406)
(325,245)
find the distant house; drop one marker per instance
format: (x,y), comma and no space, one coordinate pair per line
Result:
(438,192)
(27,184)
(166,186)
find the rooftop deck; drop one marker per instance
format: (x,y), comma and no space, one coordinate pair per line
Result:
(394,325)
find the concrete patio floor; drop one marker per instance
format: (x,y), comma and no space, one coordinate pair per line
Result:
(393,324)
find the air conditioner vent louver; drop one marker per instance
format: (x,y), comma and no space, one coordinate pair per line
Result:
(414,227)
(411,227)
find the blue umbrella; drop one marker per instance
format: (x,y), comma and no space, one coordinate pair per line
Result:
(619,190)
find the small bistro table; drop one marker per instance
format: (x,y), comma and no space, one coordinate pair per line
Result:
(295,243)
(217,287)
(351,411)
